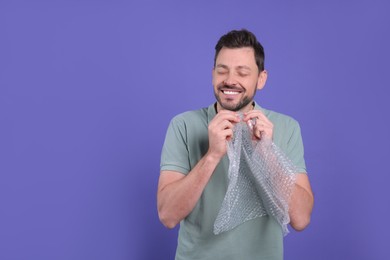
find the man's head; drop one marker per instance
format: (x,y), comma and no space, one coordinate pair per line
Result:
(238,39)
(238,70)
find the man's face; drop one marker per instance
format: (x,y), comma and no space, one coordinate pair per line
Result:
(236,78)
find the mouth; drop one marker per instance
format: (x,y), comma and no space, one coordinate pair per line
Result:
(229,91)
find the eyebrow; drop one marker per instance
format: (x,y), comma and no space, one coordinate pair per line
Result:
(241,67)
(221,66)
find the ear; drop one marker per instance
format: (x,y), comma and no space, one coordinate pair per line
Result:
(262,79)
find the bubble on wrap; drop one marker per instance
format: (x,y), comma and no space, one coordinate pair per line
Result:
(261,180)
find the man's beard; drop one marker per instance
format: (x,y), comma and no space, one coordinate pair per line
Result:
(234,107)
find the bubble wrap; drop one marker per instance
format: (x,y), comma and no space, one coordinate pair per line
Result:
(261,180)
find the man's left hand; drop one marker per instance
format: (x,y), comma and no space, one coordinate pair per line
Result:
(261,125)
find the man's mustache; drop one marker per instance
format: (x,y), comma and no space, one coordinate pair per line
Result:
(230,87)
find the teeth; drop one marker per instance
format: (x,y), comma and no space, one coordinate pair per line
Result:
(230,92)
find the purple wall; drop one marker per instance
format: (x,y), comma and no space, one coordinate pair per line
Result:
(87,89)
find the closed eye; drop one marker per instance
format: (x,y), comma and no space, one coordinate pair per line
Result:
(243,71)
(241,74)
(221,72)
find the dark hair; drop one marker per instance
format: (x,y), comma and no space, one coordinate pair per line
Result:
(239,39)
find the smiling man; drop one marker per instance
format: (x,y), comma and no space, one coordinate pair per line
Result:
(194,163)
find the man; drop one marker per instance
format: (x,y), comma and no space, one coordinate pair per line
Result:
(194,164)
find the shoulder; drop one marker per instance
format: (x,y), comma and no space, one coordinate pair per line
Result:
(190,118)
(279,119)
(286,128)
(193,114)
(190,127)
(287,136)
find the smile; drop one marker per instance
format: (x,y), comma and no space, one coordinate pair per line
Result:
(230,92)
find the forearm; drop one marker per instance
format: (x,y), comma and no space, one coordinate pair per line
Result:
(177,198)
(296,190)
(301,203)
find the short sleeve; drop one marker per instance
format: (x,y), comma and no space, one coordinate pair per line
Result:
(174,155)
(295,150)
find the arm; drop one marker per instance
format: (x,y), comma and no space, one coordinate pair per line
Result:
(177,193)
(301,203)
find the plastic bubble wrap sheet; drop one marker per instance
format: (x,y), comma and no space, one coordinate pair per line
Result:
(261,180)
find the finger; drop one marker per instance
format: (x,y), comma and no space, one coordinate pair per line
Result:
(266,124)
(261,123)
(262,131)
(256,122)
(256,117)
(226,125)
(256,114)
(227,134)
(227,115)
(218,130)
(222,122)
(259,132)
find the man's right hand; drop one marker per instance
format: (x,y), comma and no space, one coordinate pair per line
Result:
(221,130)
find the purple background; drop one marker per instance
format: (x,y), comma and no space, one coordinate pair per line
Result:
(87,89)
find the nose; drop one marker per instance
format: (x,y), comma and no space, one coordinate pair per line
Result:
(230,80)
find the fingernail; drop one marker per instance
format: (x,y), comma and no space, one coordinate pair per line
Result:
(250,124)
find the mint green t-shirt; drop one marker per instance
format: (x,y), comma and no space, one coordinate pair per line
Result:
(185,144)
